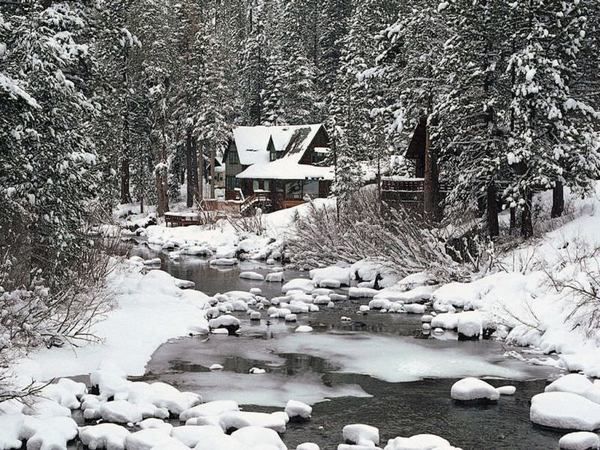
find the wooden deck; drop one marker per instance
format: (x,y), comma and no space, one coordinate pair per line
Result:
(407,192)
(182,219)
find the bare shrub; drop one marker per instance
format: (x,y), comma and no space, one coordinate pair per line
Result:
(254,224)
(576,277)
(361,229)
(35,312)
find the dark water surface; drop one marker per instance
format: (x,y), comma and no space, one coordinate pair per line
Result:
(320,365)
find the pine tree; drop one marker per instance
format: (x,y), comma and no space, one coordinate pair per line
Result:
(48,174)
(334,25)
(551,131)
(254,66)
(299,100)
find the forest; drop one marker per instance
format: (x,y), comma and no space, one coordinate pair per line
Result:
(116,104)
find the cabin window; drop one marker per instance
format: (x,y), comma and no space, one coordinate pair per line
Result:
(267,185)
(293,190)
(255,185)
(317,157)
(233,158)
(311,188)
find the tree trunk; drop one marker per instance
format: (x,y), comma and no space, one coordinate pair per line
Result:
(558,200)
(125,193)
(492,211)
(213,157)
(162,184)
(526,219)
(161,189)
(431,182)
(201,173)
(513,220)
(379,179)
(142,204)
(189,164)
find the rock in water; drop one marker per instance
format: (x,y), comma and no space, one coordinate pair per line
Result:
(472,389)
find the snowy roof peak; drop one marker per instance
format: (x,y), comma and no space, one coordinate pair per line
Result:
(252,142)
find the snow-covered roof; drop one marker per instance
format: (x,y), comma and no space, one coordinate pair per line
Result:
(287,168)
(252,142)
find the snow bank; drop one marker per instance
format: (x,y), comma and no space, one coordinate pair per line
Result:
(158,308)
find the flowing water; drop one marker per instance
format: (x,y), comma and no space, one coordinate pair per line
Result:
(376,370)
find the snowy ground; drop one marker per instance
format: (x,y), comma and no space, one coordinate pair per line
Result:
(149,310)
(517,303)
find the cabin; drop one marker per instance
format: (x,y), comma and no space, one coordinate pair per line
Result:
(421,193)
(283,166)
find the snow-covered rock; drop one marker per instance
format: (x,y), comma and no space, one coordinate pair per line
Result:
(330,283)
(414,308)
(361,434)
(308,446)
(303,329)
(255,276)
(339,274)
(155,423)
(190,435)
(380,303)
(241,419)
(197,250)
(104,436)
(358,292)
(223,262)
(48,432)
(506,390)
(564,410)
(214,408)
(10,431)
(253,437)
(149,439)
(470,324)
(274,277)
(298,284)
(418,442)
(184,284)
(120,411)
(580,440)
(471,388)
(296,409)
(225,321)
(573,382)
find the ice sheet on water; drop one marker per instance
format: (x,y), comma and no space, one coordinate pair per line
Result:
(268,389)
(395,359)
